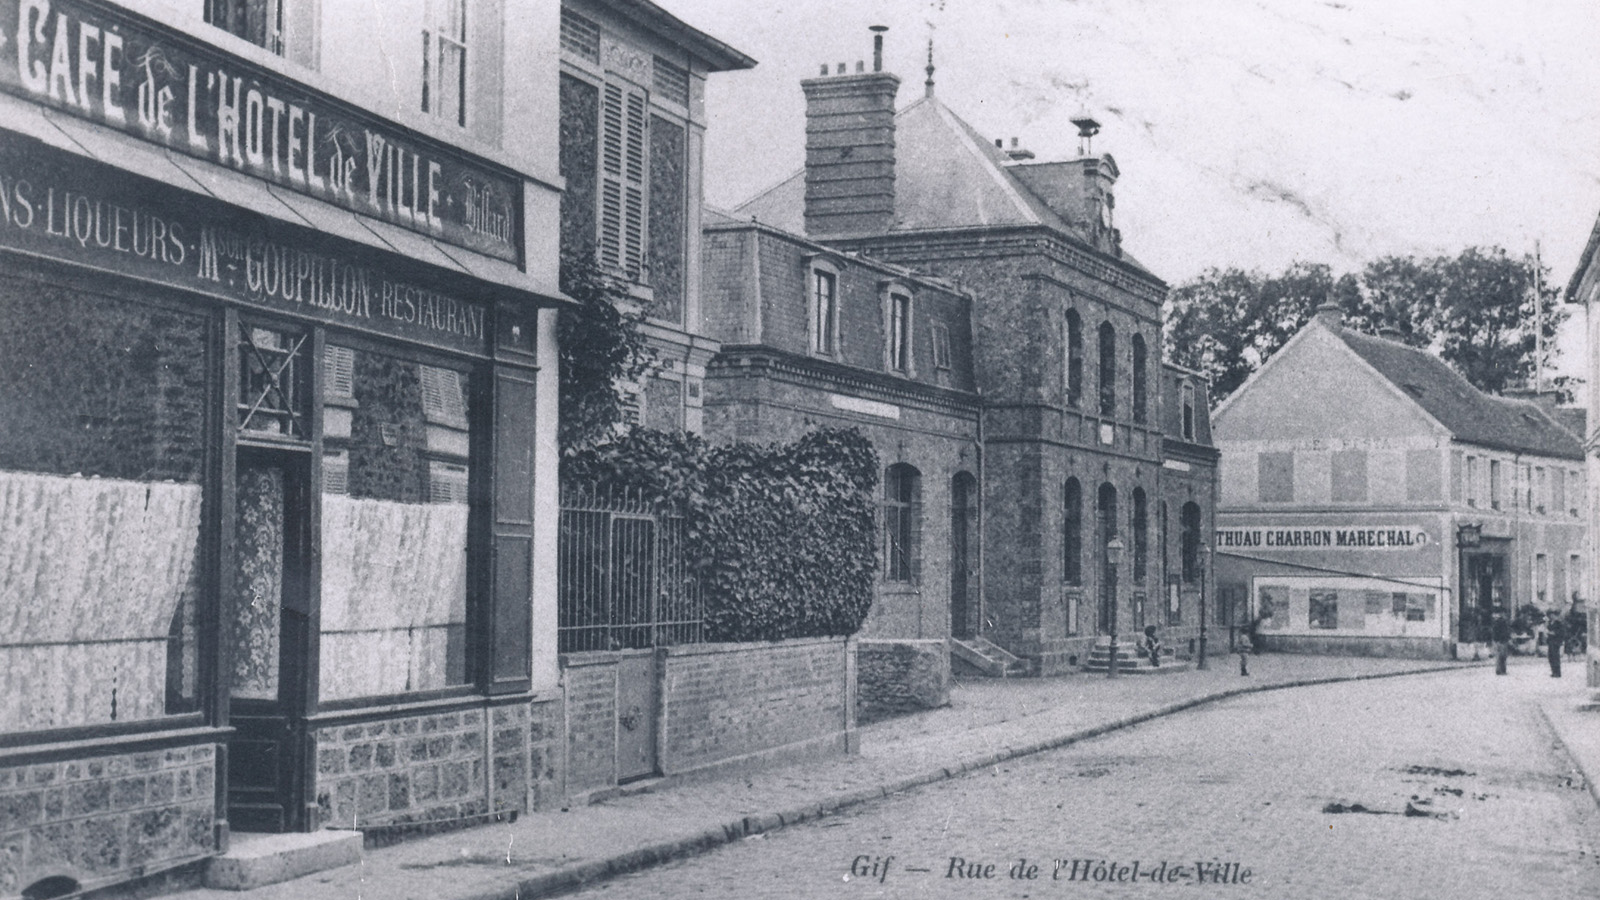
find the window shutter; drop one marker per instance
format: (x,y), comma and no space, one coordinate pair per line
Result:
(622,157)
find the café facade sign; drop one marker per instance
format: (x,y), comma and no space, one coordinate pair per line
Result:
(1321,537)
(123,71)
(58,206)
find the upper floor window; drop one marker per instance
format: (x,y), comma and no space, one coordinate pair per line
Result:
(258,21)
(1494,484)
(1472,481)
(824,310)
(1275,477)
(1108,369)
(1140,390)
(1074,360)
(1541,497)
(899,332)
(622,178)
(1559,501)
(941,345)
(1188,411)
(444,60)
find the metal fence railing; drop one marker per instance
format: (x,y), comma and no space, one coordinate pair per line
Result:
(624,580)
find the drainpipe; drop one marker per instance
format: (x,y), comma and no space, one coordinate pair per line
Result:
(983,512)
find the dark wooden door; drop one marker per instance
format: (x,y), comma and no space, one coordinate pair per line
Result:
(267,632)
(961,510)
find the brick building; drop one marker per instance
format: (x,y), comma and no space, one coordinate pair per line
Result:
(1399,526)
(277,372)
(1080,429)
(1584,288)
(632,93)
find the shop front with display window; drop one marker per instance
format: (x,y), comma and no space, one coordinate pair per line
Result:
(267,504)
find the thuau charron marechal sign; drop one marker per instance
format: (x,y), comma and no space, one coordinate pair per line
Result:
(116,69)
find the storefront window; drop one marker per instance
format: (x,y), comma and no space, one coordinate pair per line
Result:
(101,455)
(394,525)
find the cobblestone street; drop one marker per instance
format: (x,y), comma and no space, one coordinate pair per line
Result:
(1447,785)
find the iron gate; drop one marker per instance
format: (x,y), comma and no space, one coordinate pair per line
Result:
(624,581)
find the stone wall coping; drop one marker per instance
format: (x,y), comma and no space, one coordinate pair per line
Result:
(753,646)
(417,708)
(111,745)
(864,642)
(599,657)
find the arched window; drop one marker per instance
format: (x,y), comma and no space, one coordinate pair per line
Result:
(1189,518)
(1140,387)
(1108,369)
(1141,535)
(902,496)
(1074,359)
(1072,532)
(1106,512)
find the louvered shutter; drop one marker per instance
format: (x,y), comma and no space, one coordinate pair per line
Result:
(623,120)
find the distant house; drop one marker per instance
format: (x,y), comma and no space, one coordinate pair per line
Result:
(1584,287)
(1375,502)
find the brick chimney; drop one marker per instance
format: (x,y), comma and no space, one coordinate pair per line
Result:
(850,149)
(1330,314)
(1079,191)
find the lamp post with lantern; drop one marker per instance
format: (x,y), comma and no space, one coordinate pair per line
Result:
(1114,548)
(1200,561)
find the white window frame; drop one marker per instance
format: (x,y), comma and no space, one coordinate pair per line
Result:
(440,17)
(820,343)
(898,358)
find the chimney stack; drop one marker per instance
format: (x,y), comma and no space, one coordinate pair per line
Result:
(1329,314)
(850,149)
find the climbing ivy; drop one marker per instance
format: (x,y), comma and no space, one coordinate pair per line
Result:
(780,536)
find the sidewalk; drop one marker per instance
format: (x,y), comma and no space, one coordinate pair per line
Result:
(988,721)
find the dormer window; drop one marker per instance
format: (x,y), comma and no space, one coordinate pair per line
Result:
(1188,411)
(823,301)
(897,318)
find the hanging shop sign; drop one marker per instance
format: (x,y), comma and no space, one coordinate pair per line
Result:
(1341,537)
(123,71)
(62,207)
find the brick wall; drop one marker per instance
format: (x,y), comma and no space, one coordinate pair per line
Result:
(720,704)
(106,818)
(725,701)
(896,677)
(438,768)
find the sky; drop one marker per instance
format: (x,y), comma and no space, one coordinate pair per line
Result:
(1249,133)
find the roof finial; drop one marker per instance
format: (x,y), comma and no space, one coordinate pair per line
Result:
(928,85)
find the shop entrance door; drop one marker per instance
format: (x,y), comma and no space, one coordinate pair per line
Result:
(1483,579)
(267,633)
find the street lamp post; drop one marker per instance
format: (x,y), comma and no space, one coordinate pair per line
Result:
(1114,548)
(1200,561)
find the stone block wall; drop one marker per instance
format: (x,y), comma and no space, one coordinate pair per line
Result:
(897,677)
(435,769)
(106,818)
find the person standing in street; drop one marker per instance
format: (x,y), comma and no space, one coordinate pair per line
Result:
(1555,638)
(1500,633)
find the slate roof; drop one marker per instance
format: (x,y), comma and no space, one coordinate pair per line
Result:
(1519,426)
(947,176)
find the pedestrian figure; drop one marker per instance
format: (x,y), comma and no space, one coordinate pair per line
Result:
(1244,655)
(1500,633)
(1150,645)
(1555,636)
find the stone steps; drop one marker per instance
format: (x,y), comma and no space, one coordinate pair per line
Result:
(982,656)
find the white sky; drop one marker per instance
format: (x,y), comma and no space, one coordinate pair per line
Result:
(1249,133)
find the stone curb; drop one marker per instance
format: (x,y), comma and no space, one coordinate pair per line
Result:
(1587,767)
(581,875)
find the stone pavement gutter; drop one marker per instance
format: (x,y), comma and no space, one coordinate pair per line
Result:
(989,723)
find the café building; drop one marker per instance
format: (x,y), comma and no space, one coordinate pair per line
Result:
(277,426)
(1374,502)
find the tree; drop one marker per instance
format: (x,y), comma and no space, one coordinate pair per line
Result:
(1475,310)
(601,347)
(1227,322)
